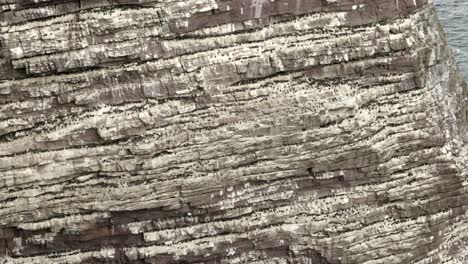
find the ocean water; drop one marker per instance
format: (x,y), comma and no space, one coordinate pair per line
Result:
(453,15)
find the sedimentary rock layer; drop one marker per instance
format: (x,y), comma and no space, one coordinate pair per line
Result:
(242,131)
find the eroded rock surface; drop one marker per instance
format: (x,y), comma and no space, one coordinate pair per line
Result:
(241,131)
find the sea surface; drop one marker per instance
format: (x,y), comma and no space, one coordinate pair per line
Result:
(453,15)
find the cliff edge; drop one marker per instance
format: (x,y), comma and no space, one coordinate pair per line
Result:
(230,131)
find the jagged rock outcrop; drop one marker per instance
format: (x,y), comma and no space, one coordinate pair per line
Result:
(241,131)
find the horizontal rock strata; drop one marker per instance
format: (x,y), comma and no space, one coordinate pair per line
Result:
(240,131)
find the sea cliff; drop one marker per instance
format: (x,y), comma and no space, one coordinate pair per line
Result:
(239,131)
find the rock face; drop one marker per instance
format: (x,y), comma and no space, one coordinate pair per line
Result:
(230,131)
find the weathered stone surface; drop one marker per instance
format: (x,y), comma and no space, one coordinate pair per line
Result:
(243,131)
